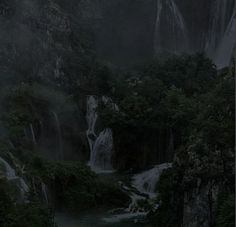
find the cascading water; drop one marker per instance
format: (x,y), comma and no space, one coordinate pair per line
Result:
(173,31)
(143,189)
(170,29)
(91,118)
(8,170)
(146,182)
(101,146)
(33,134)
(11,176)
(44,192)
(225,50)
(102,151)
(218,23)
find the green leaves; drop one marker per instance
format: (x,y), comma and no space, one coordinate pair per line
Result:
(226,211)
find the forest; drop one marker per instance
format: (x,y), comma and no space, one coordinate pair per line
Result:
(88,141)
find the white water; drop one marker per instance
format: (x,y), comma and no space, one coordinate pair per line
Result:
(101,146)
(102,151)
(174,37)
(91,118)
(8,170)
(44,192)
(225,50)
(146,182)
(217,27)
(10,175)
(221,37)
(33,134)
(143,188)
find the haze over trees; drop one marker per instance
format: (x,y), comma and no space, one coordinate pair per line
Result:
(102,124)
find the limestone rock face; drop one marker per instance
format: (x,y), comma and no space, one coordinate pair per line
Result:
(127,32)
(200,206)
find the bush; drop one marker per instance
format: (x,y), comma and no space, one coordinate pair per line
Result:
(12,214)
(226,211)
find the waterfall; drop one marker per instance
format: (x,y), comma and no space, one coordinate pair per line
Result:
(91,117)
(44,192)
(225,50)
(108,101)
(101,153)
(170,29)
(218,23)
(101,146)
(32,134)
(10,175)
(9,171)
(146,182)
(143,188)
(221,37)
(59,134)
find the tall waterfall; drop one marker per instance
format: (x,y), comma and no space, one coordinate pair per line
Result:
(225,50)
(101,146)
(218,24)
(170,29)
(221,38)
(10,175)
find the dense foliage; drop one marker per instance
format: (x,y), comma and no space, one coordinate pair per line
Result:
(12,214)
(74,186)
(187,96)
(176,109)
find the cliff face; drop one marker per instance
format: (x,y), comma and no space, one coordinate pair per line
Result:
(38,40)
(127,32)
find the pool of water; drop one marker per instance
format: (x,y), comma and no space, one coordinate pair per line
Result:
(100,218)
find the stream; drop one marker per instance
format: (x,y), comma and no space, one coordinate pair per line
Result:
(140,187)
